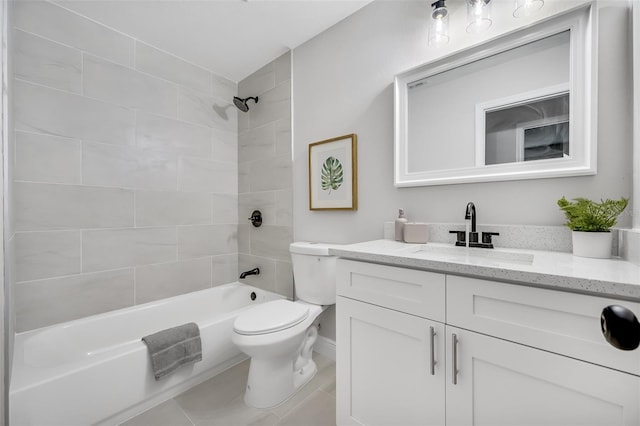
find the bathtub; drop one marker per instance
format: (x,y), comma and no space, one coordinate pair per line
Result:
(96,370)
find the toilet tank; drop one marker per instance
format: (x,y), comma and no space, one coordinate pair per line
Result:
(314,272)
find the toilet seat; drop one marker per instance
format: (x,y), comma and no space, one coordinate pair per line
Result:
(270,317)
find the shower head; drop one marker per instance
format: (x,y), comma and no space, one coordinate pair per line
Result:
(241,104)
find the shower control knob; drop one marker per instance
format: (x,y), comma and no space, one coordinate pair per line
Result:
(256,218)
(620,327)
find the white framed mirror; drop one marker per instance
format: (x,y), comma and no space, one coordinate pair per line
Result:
(520,106)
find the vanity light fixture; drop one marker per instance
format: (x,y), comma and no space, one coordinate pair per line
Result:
(526,8)
(439,25)
(478,16)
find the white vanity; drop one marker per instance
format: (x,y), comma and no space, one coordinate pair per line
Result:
(437,335)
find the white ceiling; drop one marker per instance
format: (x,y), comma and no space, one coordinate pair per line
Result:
(232,38)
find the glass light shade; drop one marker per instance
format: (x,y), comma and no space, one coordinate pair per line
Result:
(439,27)
(525,8)
(478,16)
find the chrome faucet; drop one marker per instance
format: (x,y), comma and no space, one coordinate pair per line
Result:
(254,271)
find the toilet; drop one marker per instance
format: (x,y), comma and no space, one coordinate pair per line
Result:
(279,335)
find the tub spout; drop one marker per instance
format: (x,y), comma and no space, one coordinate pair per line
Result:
(254,271)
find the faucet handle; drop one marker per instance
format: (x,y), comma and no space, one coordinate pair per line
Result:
(460,237)
(486,237)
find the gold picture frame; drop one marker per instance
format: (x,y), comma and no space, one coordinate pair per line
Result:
(333,174)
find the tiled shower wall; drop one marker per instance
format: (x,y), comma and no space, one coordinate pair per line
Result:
(265,179)
(126,171)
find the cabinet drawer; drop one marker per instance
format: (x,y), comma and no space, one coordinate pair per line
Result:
(560,322)
(419,293)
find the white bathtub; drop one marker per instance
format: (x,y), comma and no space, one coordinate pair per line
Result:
(96,370)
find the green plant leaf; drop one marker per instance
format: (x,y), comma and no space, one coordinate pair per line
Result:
(586,215)
(332,174)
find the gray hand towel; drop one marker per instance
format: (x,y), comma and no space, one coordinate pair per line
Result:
(173,347)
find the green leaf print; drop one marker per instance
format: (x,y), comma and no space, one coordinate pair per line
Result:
(332,174)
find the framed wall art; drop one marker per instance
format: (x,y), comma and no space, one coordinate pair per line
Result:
(333,174)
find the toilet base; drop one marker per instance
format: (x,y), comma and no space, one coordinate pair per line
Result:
(272,381)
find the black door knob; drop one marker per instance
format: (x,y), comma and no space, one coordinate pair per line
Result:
(620,327)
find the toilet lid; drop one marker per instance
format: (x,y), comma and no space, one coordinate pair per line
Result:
(270,317)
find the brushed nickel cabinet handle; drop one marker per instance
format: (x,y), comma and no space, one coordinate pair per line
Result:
(432,335)
(454,352)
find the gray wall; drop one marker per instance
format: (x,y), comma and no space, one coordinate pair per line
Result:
(343,84)
(264,181)
(125,170)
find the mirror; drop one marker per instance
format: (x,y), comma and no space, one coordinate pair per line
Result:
(520,106)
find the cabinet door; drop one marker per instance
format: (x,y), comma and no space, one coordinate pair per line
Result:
(504,383)
(383,363)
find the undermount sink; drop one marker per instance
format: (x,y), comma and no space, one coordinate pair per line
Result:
(464,254)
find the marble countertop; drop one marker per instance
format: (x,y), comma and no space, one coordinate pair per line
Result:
(613,277)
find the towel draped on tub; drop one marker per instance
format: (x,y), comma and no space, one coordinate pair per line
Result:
(173,347)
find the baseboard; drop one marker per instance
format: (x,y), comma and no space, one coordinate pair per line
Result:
(325,347)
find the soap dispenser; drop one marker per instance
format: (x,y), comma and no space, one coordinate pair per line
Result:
(400,221)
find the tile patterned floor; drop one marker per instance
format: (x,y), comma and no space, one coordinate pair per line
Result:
(219,401)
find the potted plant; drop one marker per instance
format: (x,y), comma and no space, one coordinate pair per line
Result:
(591,223)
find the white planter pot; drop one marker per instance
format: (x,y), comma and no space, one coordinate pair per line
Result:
(592,244)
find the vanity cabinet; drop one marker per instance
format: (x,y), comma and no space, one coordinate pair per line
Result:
(502,355)
(387,367)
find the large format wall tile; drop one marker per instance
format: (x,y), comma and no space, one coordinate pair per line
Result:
(267,278)
(172,68)
(48,207)
(284,207)
(225,146)
(257,143)
(206,240)
(223,88)
(155,282)
(271,174)
(272,241)
(263,201)
(46,254)
(163,208)
(282,68)
(284,279)
(225,208)
(63,26)
(46,302)
(274,105)
(121,166)
(224,269)
(258,83)
(173,136)
(206,110)
(58,113)
(114,83)
(42,61)
(244,238)
(244,177)
(265,178)
(118,248)
(207,176)
(99,153)
(50,159)
(283,136)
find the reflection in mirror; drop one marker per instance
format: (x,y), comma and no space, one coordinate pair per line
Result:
(518,107)
(535,130)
